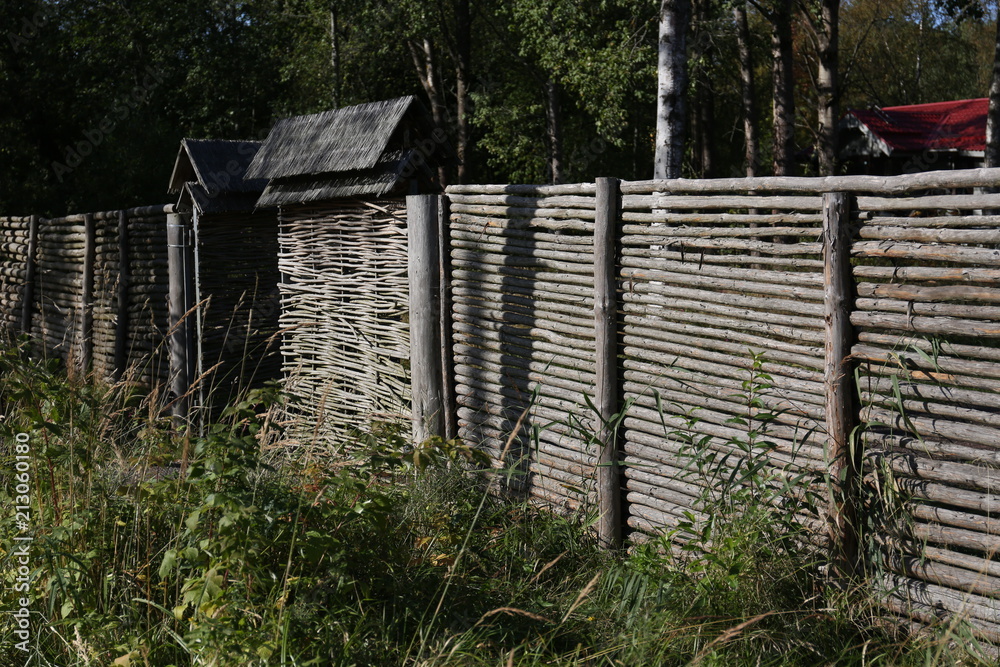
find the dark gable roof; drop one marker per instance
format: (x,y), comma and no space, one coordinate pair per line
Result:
(347,139)
(210,174)
(214,201)
(365,150)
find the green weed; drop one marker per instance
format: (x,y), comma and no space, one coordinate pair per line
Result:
(157,547)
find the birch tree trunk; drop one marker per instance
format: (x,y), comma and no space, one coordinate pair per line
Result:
(783,89)
(463,29)
(675,16)
(553,127)
(993,115)
(828,113)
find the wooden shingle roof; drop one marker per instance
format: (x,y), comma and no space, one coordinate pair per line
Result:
(340,140)
(211,175)
(364,150)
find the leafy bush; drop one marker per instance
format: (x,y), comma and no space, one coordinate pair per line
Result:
(156,546)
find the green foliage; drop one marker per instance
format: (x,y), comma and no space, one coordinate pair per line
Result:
(390,555)
(94,86)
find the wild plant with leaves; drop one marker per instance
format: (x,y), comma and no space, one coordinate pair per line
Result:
(159,547)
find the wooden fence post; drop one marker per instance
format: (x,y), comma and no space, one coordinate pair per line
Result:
(178,272)
(841,415)
(450,407)
(424,270)
(28,296)
(124,279)
(609,526)
(87,296)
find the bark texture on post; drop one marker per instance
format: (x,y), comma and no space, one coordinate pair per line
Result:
(178,298)
(609,525)
(841,416)
(124,278)
(449,406)
(28,296)
(87,294)
(424,270)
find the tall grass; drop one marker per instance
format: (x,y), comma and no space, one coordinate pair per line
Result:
(161,547)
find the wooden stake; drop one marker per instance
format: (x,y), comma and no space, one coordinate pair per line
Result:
(450,407)
(177,326)
(424,270)
(87,295)
(28,297)
(606,350)
(841,415)
(124,278)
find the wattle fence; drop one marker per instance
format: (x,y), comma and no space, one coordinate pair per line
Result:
(871,304)
(64,284)
(586,335)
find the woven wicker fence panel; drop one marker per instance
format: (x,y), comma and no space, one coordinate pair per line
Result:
(147,295)
(106,279)
(928,320)
(523,311)
(59,293)
(13,257)
(709,283)
(238,274)
(344,316)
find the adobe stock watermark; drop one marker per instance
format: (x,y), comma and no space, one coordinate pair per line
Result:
(263,311)
(28,30)
(423,150)
(217,182)
(21,556)
(95,136)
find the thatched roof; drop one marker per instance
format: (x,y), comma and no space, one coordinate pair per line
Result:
(369,149)
(210,174)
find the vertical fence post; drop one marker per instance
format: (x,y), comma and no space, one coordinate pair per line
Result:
(28,296)
(609,526)
(450,408)
(87,296)
(124,279)
(424,271)
(841,415)
(177,331)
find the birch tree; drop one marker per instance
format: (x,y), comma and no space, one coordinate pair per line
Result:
(826,29)
(675,17)
(783,87)
(993,114)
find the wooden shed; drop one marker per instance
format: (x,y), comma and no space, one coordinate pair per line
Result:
(339,179)
(229,266)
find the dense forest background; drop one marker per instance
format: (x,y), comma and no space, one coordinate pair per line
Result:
(96,94)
